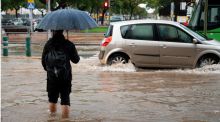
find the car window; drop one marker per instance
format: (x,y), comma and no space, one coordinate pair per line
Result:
(196,34)
(109,31)
(213,18)
(124,29)
(138,31)
(183,37)
(168,33)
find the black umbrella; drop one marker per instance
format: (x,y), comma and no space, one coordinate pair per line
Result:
(67,19)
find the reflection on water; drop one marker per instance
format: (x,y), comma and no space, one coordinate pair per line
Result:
(117,93)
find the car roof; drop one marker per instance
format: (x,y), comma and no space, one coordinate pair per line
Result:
(145,21)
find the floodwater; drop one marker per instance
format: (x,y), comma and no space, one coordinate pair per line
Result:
(119,93)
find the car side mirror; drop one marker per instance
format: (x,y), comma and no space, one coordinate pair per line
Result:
(195,41)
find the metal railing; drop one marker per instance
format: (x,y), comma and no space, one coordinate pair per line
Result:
(26,40)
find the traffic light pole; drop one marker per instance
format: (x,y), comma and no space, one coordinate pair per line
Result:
(109,16)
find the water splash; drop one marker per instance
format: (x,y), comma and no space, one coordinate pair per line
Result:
(211,69)
(207,69)
(117,68)
(93,64)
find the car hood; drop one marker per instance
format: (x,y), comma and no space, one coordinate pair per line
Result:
(212,42)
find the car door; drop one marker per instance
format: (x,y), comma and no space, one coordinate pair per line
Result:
(176,47)
(143,49)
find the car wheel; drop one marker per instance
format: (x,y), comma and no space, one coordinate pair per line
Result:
(118,59)
(207,60)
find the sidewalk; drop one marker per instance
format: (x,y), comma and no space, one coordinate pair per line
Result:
(16,46)
(42,37)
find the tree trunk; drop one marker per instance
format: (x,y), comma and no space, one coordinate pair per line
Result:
(131,10)
(16,13)
(103,17)
(131,14)
(42,13)
(91,10)
(97,15)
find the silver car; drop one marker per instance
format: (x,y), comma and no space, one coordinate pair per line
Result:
(157,43)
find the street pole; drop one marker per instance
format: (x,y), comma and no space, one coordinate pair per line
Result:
(28,46)
(48,11)
(5,45)
(109,13)
(206,17)
(31,19)
(28,38)
(172,11)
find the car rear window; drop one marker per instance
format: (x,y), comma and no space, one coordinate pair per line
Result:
(109,31)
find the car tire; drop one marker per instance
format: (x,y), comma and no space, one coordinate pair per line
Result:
(117,59)
(207,60)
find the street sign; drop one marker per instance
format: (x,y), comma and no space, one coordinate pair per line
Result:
(31,5)
(30,1)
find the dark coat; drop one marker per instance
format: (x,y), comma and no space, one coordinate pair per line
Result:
(59,41)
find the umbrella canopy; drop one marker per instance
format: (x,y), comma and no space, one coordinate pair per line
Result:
(67,19)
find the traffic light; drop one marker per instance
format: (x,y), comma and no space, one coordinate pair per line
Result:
(106,4)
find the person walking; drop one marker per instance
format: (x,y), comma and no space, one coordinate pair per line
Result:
(56,57)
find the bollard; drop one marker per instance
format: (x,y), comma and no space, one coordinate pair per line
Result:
(28,46)
(5,46)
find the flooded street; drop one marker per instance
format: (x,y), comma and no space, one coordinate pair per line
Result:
(112,93)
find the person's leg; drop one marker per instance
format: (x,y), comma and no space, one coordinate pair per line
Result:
(52,115)
(65,111)
(52,107)
(53,95)
(65,101)
(53,98)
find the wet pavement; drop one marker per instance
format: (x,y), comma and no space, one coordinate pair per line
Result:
(120,93)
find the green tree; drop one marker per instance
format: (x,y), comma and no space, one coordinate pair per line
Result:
(40,6)
(13,4)
(158,4)
(127,7)
(96,7)
(5,5)
(140,12)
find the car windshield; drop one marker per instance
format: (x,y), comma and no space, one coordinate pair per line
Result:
(197,34)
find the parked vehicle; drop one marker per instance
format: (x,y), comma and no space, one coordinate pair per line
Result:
(116,18)
(157,43)
(7,22)
(15,24)
(35,23)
